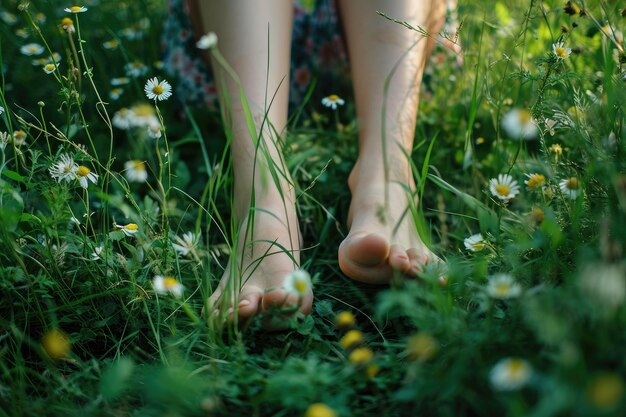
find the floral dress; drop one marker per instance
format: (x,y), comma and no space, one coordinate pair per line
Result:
(317,52)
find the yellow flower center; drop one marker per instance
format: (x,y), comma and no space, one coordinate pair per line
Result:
(345,319)
(560,52)
(83,171)
(606,390)
(139,165)
(49,67)
(537,215)
(169,282)
(536,181)
(131,226)
(361,356)
(300,286)
(76,8)
(320,410)
(572,183)
(422,347)
(19,134)
(143,110)
(502,288)
(333,97)
(503,189)
(157,89)
(56,344)
(351,338)
(478,246)
(67,22)
(524,116)
(516,368)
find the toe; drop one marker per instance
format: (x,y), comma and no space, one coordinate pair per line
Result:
(399,259)
(418,260)
(249,304)
(367,250)
(281,299)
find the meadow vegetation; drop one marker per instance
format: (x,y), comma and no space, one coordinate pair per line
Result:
(115,227)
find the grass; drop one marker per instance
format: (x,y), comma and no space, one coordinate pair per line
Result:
(83,331)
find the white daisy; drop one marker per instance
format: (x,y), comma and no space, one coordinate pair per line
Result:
(207,41)
(560,51)
(298,282)
(504,187)
(50,68)
(67,25)
(129,229)
(154,130)
(120,81)
(535,181)
(502,286)
(142,115)
(8,18)
(570,187)
(22,33)
(510,374)
(186,244)
(31,49)
(121,119)
(76,9)
(40,18)
(333,101)
(116,93)
(131,34)
(519,124)
(85,175)
(135,171)
(55,58)
(19,137)
(111,44)
(135,69)
(157,90)
(164,284)
(65,169)
(475,243)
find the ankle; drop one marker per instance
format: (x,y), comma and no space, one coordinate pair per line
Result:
(373,172)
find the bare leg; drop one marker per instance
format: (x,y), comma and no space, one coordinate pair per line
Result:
(382,235)
(269,238)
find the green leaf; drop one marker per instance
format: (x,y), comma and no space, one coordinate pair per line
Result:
(116,235)
(115,379)
(14,176)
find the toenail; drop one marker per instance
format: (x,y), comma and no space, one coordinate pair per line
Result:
(244,303)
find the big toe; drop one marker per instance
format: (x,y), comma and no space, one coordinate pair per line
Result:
(365,258)
(367,249)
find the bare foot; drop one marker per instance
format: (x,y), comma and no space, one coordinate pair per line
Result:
(267,252)
(383,237)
